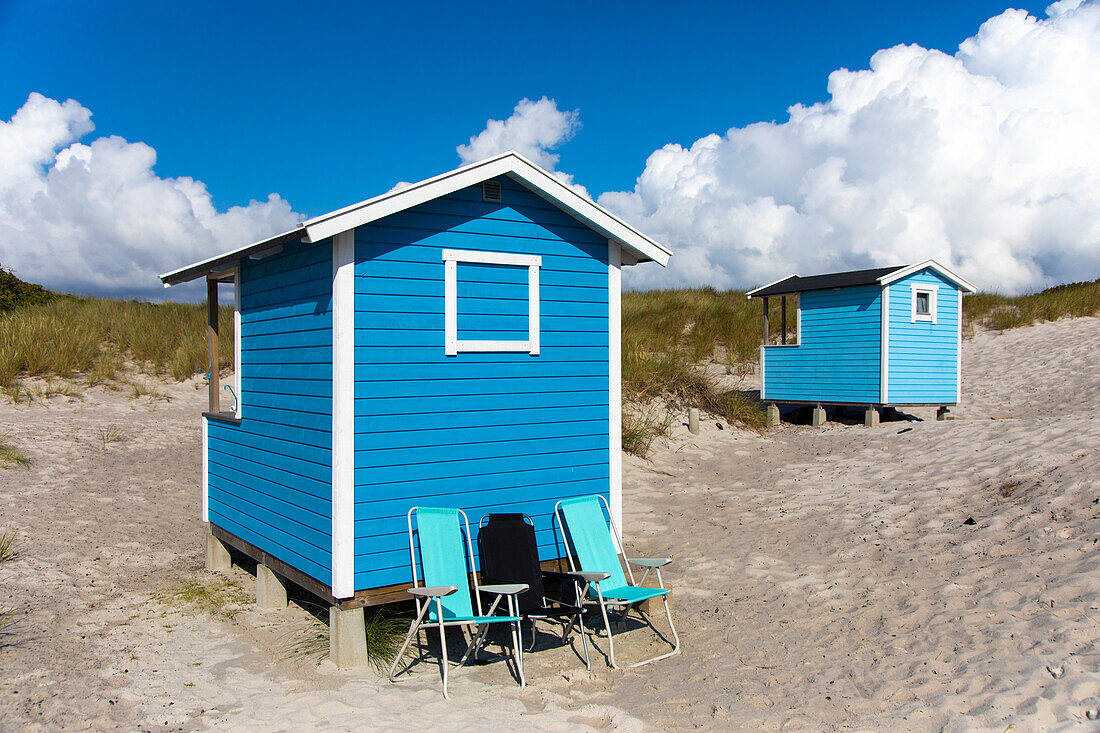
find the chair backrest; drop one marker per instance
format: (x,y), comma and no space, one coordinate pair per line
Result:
(510,554)
(443,558)
(590,536)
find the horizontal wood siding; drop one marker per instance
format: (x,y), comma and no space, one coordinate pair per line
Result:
(838,359)
(484,432)
(271,476)
(923,362)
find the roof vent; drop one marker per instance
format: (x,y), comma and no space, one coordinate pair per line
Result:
(490,191)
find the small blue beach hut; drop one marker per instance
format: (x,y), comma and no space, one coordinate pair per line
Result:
(453,343)
(883,337)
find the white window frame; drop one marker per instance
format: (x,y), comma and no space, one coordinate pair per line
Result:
(237,341)
(929,317)
(452,344)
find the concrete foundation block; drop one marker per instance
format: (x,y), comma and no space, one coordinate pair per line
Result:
(347,637)
(871,417)
(941,413)
(217,555)
(818,418)
(773,416)
(270,588)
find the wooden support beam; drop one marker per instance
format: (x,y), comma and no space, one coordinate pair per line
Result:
(212,365)
(783,318)
(765,301)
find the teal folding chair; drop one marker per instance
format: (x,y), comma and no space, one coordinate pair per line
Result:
(601,568)
(440,602)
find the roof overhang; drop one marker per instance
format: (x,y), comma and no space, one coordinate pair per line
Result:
(959,282)
(637,246)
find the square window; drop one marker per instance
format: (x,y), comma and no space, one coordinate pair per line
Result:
(494,274)
(922,307)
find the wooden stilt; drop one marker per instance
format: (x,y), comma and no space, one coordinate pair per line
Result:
(783,319)
(765,301)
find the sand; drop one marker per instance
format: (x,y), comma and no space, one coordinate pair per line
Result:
(824,578)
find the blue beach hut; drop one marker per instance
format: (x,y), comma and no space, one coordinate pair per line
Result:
(452,343)
(884,337)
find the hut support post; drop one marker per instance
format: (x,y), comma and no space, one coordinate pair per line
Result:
(871,417)
(347,637)
(783,318)
(217,555)
(773,415)
(765,301)
(270,588)
(818,417)
(212,366)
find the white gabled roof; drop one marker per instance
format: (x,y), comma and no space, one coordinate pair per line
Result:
(511,164)
(903,272)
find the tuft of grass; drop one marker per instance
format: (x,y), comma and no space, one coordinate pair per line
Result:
(385,629)
(65,389)
(97,336)
(7,545)
(641,427)
(141,389)
(108,435)
(10,455)
(224,599)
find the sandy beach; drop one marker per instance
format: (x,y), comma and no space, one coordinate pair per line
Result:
(921,575)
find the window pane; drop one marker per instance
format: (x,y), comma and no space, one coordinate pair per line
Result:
(922,304)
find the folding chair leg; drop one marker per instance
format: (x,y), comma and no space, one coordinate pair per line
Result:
(584,642)
(413,630)
(675,637)
(517,642)
(607,626)
(442,644)
(474,644)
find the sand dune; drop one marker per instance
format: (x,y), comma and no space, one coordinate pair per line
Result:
(824,578)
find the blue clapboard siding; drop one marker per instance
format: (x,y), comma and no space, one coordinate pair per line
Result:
(271,476)
(483,432)
(923,361)
(838,359)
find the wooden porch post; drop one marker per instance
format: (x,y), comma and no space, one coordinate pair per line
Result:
(212,365)
(783,318)
(765,301)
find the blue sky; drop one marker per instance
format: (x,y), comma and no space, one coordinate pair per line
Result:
(755,140)
(331,103)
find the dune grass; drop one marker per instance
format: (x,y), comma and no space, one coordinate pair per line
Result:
(98,338)
(7,552)
(308,641)
(1072,300)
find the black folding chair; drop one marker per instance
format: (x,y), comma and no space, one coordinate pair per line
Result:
(509,553)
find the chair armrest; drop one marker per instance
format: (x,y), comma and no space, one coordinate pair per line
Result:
(644,562)
(437,591)
(583,577)
(505,589)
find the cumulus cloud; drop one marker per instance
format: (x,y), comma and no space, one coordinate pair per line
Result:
(94,218)
(533,130)
(987,160)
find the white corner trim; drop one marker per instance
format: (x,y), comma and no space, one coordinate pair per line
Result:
(933,292)
(905,272)
(343,414)
(205,470)
(237,340)
(452,344)
(762,397)
(959,352)
(615,384)
(884,349)
(798,324)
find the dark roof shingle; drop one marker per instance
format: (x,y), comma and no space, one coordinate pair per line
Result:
(796,284)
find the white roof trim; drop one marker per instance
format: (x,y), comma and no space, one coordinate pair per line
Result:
(959,281)
(511,164)
(773,282)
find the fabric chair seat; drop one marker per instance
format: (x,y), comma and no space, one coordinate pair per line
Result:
(472,619)
(629,593)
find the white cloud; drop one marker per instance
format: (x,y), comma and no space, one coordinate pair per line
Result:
(533,130)
(988,161)
(94,218)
